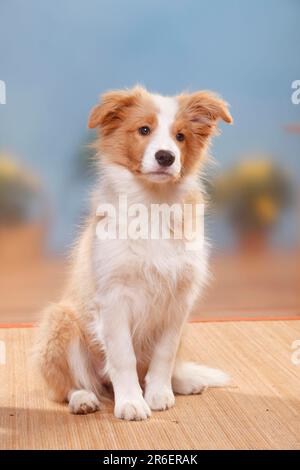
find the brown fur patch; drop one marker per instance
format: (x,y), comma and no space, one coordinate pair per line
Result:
(119,116)
(197,119)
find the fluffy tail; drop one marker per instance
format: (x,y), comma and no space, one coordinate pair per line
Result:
(51,350)
(190,378)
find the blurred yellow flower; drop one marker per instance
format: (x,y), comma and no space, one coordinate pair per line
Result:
(8,168)
(254,170)
(11,172)
(266,209)
(252,193)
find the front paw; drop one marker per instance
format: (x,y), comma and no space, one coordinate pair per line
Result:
(132,410)
(160,399)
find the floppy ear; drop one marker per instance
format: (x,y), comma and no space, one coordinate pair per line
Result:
(112,109)
(206,107)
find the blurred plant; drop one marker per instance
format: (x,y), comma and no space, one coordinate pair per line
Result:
(253,194)
(18,191)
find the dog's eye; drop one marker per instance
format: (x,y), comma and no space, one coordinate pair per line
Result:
(180,137)
(145,130)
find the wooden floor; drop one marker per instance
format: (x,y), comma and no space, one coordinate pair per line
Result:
(260,410)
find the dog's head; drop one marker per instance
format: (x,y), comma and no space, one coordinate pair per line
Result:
(157,138)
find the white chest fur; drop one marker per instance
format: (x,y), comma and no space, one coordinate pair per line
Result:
(152,280)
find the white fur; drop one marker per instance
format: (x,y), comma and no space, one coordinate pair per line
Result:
(78,363)
(189,378)
(131,312)
(161,139)
(83,402)
(136,312)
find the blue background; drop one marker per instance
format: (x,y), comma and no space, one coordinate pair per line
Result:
(56,57)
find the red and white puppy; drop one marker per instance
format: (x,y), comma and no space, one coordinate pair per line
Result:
(121,318)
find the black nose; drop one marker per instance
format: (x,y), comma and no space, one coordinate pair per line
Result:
(164,157)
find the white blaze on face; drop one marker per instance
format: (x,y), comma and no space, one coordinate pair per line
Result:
(161,138)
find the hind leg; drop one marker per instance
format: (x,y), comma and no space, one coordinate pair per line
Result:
(82,402)
(62,363)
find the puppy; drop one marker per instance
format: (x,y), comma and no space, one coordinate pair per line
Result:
(122,315)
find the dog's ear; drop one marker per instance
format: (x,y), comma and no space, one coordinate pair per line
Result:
(205,107)
(112,109)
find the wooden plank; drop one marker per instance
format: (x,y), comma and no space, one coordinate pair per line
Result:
(259,410)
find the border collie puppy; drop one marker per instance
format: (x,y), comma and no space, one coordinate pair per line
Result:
(122,315)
